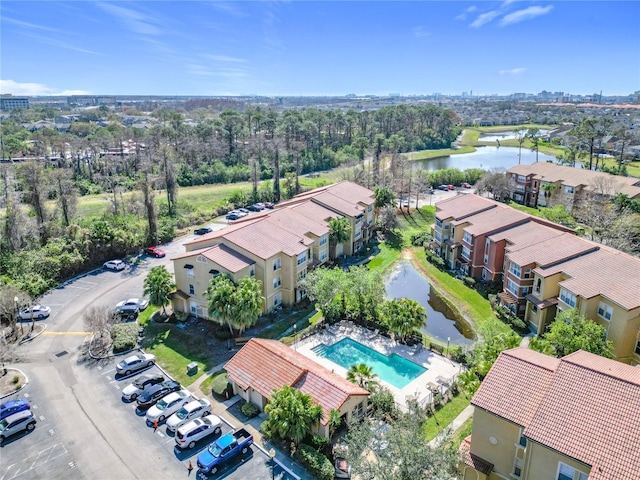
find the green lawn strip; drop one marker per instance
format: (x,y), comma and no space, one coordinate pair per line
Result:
(633,168)
(508,128)
(437,423)
(219,378)
(530,210)
(302,320)
(441,152)
(459,435)
(175,349)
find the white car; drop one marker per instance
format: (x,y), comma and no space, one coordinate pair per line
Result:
(168,405)
(114,265)
(37,311)
(132,305)
(188,434)
(135,362)
(133,391)
(195,409)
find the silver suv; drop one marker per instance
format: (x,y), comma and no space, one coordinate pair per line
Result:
(17,423)
(189,434)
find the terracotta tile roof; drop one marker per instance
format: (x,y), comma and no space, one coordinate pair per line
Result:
(473,460)
(462,206)
(570,176)
(607,272)
(338,204)
(316,212)
(590,412)
(264,239)
(503,391)
(349,191)
(493,219)
(555,249)
(524,235)
(292,220)
(267,365)
(227,258)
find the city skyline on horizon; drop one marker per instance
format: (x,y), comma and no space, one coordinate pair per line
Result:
(324,49)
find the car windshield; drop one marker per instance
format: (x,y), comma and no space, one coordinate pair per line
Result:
(162,405)
(215,450)
(182,414)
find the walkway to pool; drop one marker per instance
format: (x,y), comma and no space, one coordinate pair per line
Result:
(438,377)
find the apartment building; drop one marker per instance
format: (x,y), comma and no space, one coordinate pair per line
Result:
(543,267)
(277,248)
(542,183)
(542,418)
(8,102)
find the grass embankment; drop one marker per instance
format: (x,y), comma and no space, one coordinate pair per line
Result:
(436,423)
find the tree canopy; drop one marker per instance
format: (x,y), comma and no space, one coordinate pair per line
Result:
(571,332)
(158,286)
(239,306)
(292,415)
(404,316)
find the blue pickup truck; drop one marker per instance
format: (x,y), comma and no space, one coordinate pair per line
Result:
(224,449)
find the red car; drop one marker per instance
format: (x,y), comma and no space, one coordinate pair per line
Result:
(451,187)
(154,252)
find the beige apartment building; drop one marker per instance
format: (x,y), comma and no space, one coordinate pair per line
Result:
(543,267)
(276,247)
(544,183)
(538,417)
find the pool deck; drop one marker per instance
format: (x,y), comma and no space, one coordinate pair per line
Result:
(440,370)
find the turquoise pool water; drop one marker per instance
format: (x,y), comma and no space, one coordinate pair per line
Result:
(393,369)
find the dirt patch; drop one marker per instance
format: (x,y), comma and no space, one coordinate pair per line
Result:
(12,381)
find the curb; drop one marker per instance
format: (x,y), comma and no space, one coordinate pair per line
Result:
(26,382)
(29,337)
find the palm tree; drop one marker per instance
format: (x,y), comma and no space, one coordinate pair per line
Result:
(249,303)
(292,414)
(219,296)
(339,231)
(362,375)
(335,419)
(158,286)
(533,134)
(404,316)
(239,306)
(548,189)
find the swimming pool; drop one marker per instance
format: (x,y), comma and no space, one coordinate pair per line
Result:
(393,369)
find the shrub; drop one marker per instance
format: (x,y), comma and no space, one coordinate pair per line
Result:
(383,402)
(320,443)
(420,239)
(249,410)
(315,461)
(124,336)
(221,386)
(16,379)
(437,348)
(469,282)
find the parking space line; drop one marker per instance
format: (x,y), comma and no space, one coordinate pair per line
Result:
(107,371)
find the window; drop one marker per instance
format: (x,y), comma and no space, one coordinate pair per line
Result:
(192,289)
(438,236)
(190,272)
(515,269)
(438,223)
(302,274)
(523,440)
(276,264)
(446,226)
(517,467)
(538,285)
(323,255)
(277,281)
(302,258)
(486,245)
(534,308)
(605,311)
(486,258)
(201,259)
(277,300)
(466,253)
(525,290)
(467,237)
(370,208)
(512,287)
(638,346)
(568,189)
(214,273)
(484,273)
(568,297)
(357,234)
(565,472)
(323,240)
(535,184)
(522,178)
(252,270)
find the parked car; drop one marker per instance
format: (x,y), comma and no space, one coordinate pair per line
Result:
(13,406)
(154,252)
(133,391)
(152,394)
(244,211)
(465,185)
(188,434)
(451,187)
(257,207)
(132,305)
(233,215)
(224,449)
(168,405)
(202,230)
(443,187)
(114,265)
(192,410)
(135,362)
(16,423)
(269,205)
(36,311)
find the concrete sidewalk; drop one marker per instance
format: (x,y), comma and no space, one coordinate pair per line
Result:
(457,422)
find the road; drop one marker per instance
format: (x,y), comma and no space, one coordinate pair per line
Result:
(84,429)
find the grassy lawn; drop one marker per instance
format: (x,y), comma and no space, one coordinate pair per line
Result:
(441,152)
(220,377)
(507,128)
(633,168)
(437,423)
(301,319)
(459,435)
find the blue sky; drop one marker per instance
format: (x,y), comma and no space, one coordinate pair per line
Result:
(318,48)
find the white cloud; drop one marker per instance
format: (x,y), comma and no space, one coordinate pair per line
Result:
(135,21)
(525,14)
(463,15)
(50,41)
(420,32)
(513,71)
(34,89)
(224,58)
(32,26)
(484,18)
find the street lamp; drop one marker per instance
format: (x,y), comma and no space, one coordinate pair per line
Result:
(272,454)
(448,340)
(16,312)
(295,326)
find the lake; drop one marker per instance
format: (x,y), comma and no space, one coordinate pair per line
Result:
(484,157)
(442,322)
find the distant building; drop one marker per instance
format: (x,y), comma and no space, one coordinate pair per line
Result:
(9,102)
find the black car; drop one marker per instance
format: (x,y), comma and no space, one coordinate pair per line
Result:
(148,379)
(202,230)
(269,205)
(256,207)
(151,396)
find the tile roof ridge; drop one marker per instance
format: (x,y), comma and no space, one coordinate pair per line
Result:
(578,363)
(530,361)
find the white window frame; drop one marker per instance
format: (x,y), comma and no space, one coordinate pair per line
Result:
(580,476)
(277,264)
(201,259)
(323,240)
(466,253)
(192,289)
(513,287)
(484,273)
(190,272)
(323,255)
(518,463)
(252,270)
(605,311)
(277,299)
(277,282)
(515,269)
(468,238)
(566,295)
(302,258)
